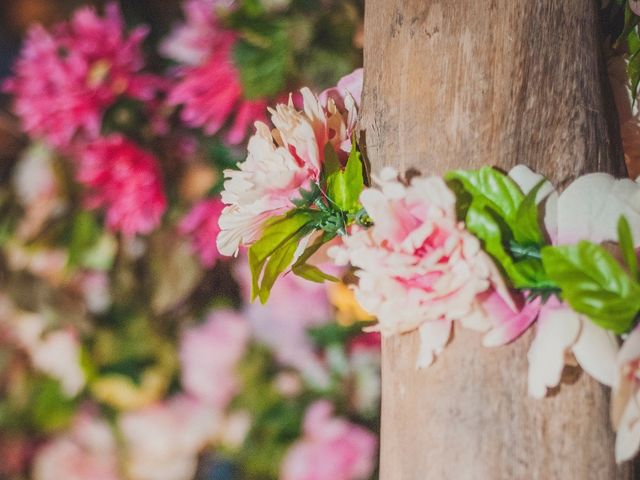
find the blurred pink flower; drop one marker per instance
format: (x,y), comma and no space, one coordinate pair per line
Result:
(418,267)
(295,305)
(278,165)
(126,181)
(331,449)
(66,79)
(191,41)
(208,84)
(209,354)
(201,224)
(163,440)
(210,94)
(88,450)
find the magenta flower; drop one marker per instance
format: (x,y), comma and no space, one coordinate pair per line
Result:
(208,84)
(211,92)
(124,180)
(330,449)
(66,79)
(201,224)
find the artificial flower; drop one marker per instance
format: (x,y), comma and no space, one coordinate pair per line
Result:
(279,164)
(126,181)
(331,448)
(418,268)
(589,209)
(66,79)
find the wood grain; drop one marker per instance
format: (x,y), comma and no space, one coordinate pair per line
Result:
(465,83)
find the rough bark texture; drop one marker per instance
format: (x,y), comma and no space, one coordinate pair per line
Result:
(466,83)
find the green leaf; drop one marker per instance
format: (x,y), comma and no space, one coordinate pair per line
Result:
(310,272)
(526,225)
(496,189)
(52,409)
(345,186)
(626,245)
(85,233)
(331,161)
(263,57)
(594,284)
(269,254)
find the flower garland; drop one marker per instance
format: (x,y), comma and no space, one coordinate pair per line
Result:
(491,251)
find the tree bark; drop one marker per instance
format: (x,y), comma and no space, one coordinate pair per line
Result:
(467,83)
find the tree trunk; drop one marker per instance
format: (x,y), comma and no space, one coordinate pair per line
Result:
(466,83)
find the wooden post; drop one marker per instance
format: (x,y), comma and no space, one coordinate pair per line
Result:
(466,83)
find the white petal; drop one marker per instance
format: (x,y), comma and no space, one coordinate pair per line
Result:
(596,350)
(434,336)
(628,436)
(589,209)
(527,179)
(556,330)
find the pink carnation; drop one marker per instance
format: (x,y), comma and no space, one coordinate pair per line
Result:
(279,164)
(201,223)
(209,354)
(330,449)
(418,267)
(87,451)
(124,180)
(66,79)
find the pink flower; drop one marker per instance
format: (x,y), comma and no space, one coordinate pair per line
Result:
(330,449)
(209,354)
(295,305)
(163,441)
(418,267)
(88,450)
(126,181)
(65,80)
(201,223)
(210,93)
(278,165)
(190,43)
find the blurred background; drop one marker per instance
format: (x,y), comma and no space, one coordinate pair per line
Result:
(128,346)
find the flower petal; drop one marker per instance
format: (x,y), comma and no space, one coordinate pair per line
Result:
(628,436)
(434,336)
(596,350)
(557,328)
